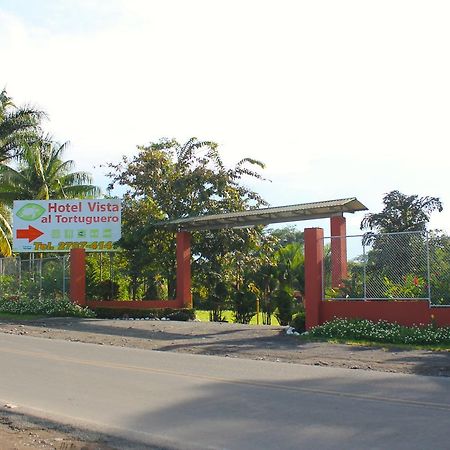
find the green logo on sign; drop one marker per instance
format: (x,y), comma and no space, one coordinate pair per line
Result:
(30,211)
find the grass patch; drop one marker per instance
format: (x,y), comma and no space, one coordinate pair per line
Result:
(12,316)
(203,316)
(366,332)
(382,345)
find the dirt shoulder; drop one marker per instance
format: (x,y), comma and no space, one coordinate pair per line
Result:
(268,343)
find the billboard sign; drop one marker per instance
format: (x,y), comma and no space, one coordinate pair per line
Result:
(60,225)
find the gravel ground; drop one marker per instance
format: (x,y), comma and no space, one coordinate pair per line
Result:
(268,343)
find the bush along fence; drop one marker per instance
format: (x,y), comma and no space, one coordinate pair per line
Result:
(34,277)
(383,266)
(403,278)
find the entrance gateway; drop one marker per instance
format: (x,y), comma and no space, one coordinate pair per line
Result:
(332,209)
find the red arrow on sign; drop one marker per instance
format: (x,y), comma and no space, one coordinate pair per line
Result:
(31,234)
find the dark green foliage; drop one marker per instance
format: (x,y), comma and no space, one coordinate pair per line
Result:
(402,213)
(244,305)
(104,290)
(440,268)
(106,277)
(44,307)
(169,313)
(298,322)
(168,180)
(351,287)
(284,301)
(36,278)
(287,235)
(217,302)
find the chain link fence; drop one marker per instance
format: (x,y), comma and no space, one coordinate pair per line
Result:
(410,265)
(439,251)
(34,277)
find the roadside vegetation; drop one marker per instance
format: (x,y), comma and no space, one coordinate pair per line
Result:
(52,307)
(361,330)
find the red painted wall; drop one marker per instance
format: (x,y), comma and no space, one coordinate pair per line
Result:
(407,312)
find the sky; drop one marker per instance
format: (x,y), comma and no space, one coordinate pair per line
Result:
(339,99)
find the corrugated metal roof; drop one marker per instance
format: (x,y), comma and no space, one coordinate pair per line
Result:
(265,216)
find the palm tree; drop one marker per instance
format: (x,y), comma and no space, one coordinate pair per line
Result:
(19,126)
(42,174)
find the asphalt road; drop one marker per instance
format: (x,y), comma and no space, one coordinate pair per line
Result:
(191,401)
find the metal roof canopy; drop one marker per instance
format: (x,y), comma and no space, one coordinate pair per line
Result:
(265,216)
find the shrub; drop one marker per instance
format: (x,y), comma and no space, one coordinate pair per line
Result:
(244,306)
(298,322)
(61,307)
(382,331)
(411,287)
(284,301)
(216,302)
(103,290)
(348,288)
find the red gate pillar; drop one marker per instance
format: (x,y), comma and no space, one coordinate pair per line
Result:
(313,275)
(184,269)
(78,276)
(338,250)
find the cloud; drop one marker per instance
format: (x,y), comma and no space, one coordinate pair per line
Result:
(338,98)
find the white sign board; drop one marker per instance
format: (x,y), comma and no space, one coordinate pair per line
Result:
(60,225)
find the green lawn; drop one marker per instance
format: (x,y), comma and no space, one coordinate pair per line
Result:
(203,316)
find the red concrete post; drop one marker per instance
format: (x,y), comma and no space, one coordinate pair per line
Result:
(313,275)
(184,268)
(338,250)
(78,276)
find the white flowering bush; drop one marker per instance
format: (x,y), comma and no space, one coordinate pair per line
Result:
(61,307)
(382,331)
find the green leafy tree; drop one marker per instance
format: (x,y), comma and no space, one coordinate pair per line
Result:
(287,235)
(394,258)
(168,180)
(281,267)
(402,213)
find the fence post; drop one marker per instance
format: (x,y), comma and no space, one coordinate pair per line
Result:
(313,275)
(338,250)
(78,276)
(184,268)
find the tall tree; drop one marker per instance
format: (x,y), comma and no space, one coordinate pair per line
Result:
(43,174)
(19,126)
(168,180)
(402,213)
(394,257)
